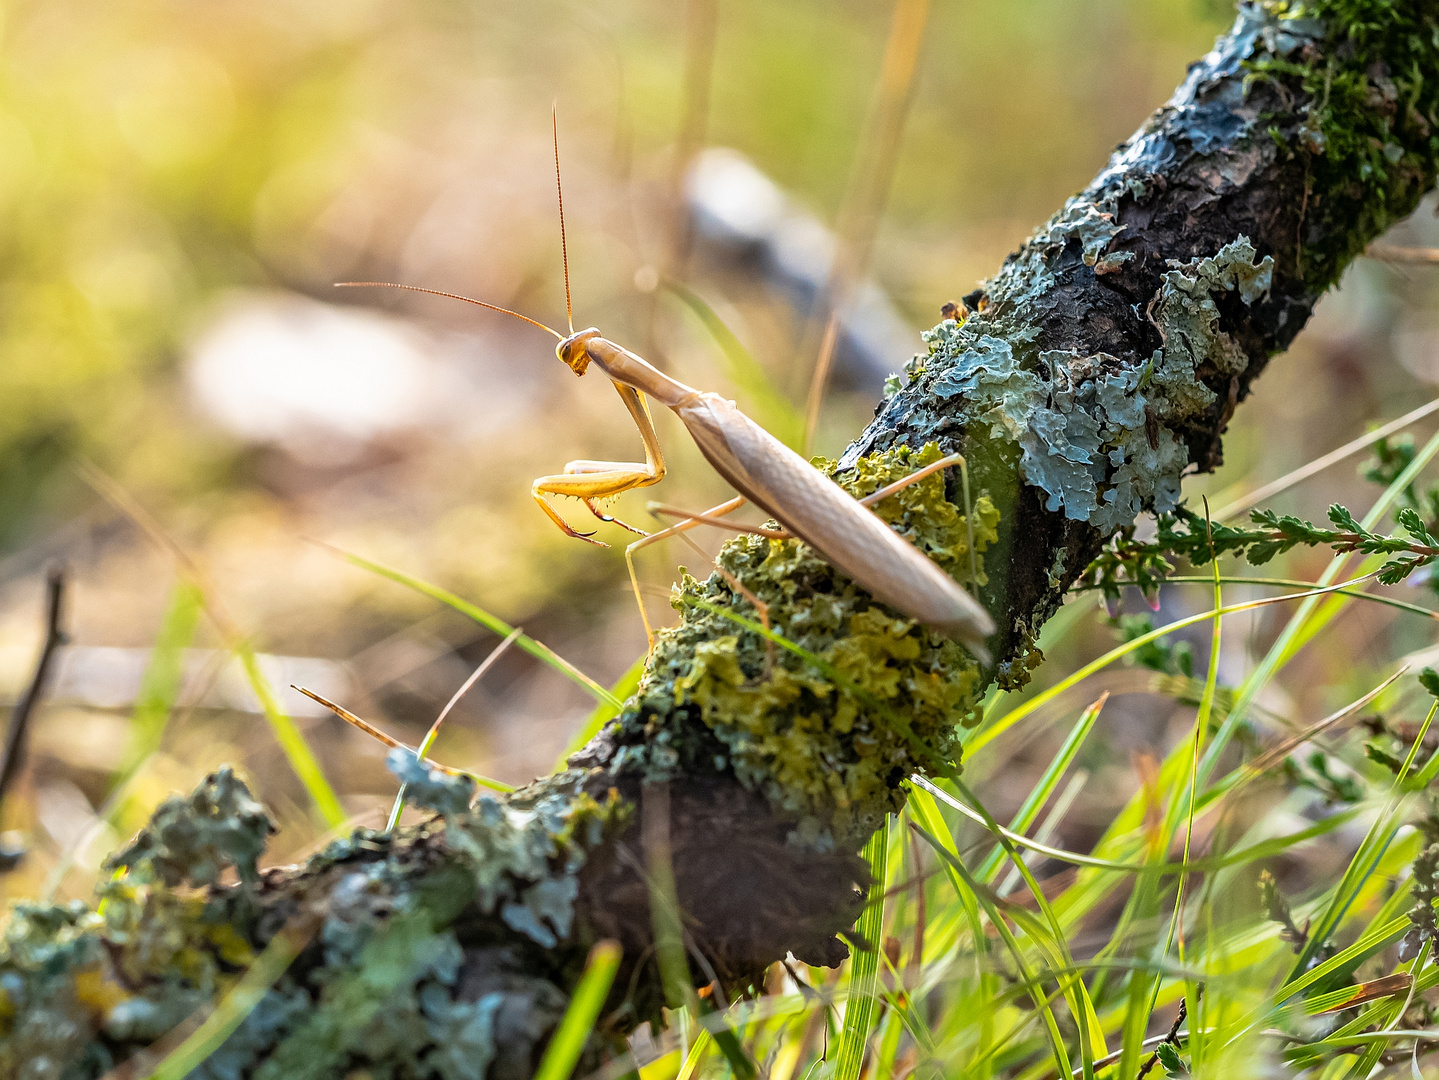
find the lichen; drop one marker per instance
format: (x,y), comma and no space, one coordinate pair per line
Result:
(427,787)
(830,754)
(1104,437)
(194,840)
(1100,438)
(1080,220)
(1194,344)
(379,987)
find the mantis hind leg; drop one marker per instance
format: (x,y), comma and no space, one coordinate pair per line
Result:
(692,519)
(914,477)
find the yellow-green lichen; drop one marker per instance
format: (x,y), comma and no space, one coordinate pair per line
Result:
(827,730)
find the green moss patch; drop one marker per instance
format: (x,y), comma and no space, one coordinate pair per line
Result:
(828,731)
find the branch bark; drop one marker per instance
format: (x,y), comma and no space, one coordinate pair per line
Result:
(1103,361)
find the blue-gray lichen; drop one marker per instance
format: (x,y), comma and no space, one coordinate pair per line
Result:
(428,787)
(379,987)
(1103,433)
(1098,437)
(193,840)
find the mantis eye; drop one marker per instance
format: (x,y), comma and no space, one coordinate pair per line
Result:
(572,351)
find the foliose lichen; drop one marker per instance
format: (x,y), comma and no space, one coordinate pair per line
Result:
(1105,436)
(192,840)
(1194,345)
(1097,436)
(393,981)
(829,730)
(428,787)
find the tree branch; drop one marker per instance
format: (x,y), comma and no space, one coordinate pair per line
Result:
(1103,361)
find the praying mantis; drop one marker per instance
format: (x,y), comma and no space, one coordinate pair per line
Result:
(807,504)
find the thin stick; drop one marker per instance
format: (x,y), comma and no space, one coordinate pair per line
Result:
(425,743)
(560,190)
(760,607)
(701,31)
(1385,253)
(394,743)
(819,380)
(450,296)
(475,676)
(1319,464)
(55,636)
(350,718)
(904,481)
(870,182)
(1269,758)
(665,534)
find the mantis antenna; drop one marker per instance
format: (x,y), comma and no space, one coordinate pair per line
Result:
(452,296)
(560,190)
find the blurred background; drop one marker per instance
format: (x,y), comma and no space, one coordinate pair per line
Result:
(181,185)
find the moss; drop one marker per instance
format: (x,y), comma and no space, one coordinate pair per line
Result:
(1371,128)
(829,753)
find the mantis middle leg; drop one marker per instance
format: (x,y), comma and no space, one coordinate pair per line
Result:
(712,516)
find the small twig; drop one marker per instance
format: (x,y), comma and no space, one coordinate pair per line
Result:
(1385,253)
(429,739)
(55,636)
(1172,1038)
(395,744)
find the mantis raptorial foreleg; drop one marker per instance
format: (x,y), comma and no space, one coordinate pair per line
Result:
(591,480)
(715,514)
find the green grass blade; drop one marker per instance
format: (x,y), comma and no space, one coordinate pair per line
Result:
(1260,850)
(862,1006)
(164,674)
(714,1020)
(1366,859)
(922,806)
(1373,939)
(1053,774)
(606,711)
(1297,583)
(1285,644)
(1060,625)
(771,409)
(536,649)
(988,734)
(568,1042)
(1421,780)
(292,741)
(1081,1008)
(696,1053)
(239,1003)
(1191,793)
(1036,992)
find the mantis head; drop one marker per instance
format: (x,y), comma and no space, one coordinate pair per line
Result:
(573,352)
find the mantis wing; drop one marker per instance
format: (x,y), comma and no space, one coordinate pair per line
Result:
(818,511)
